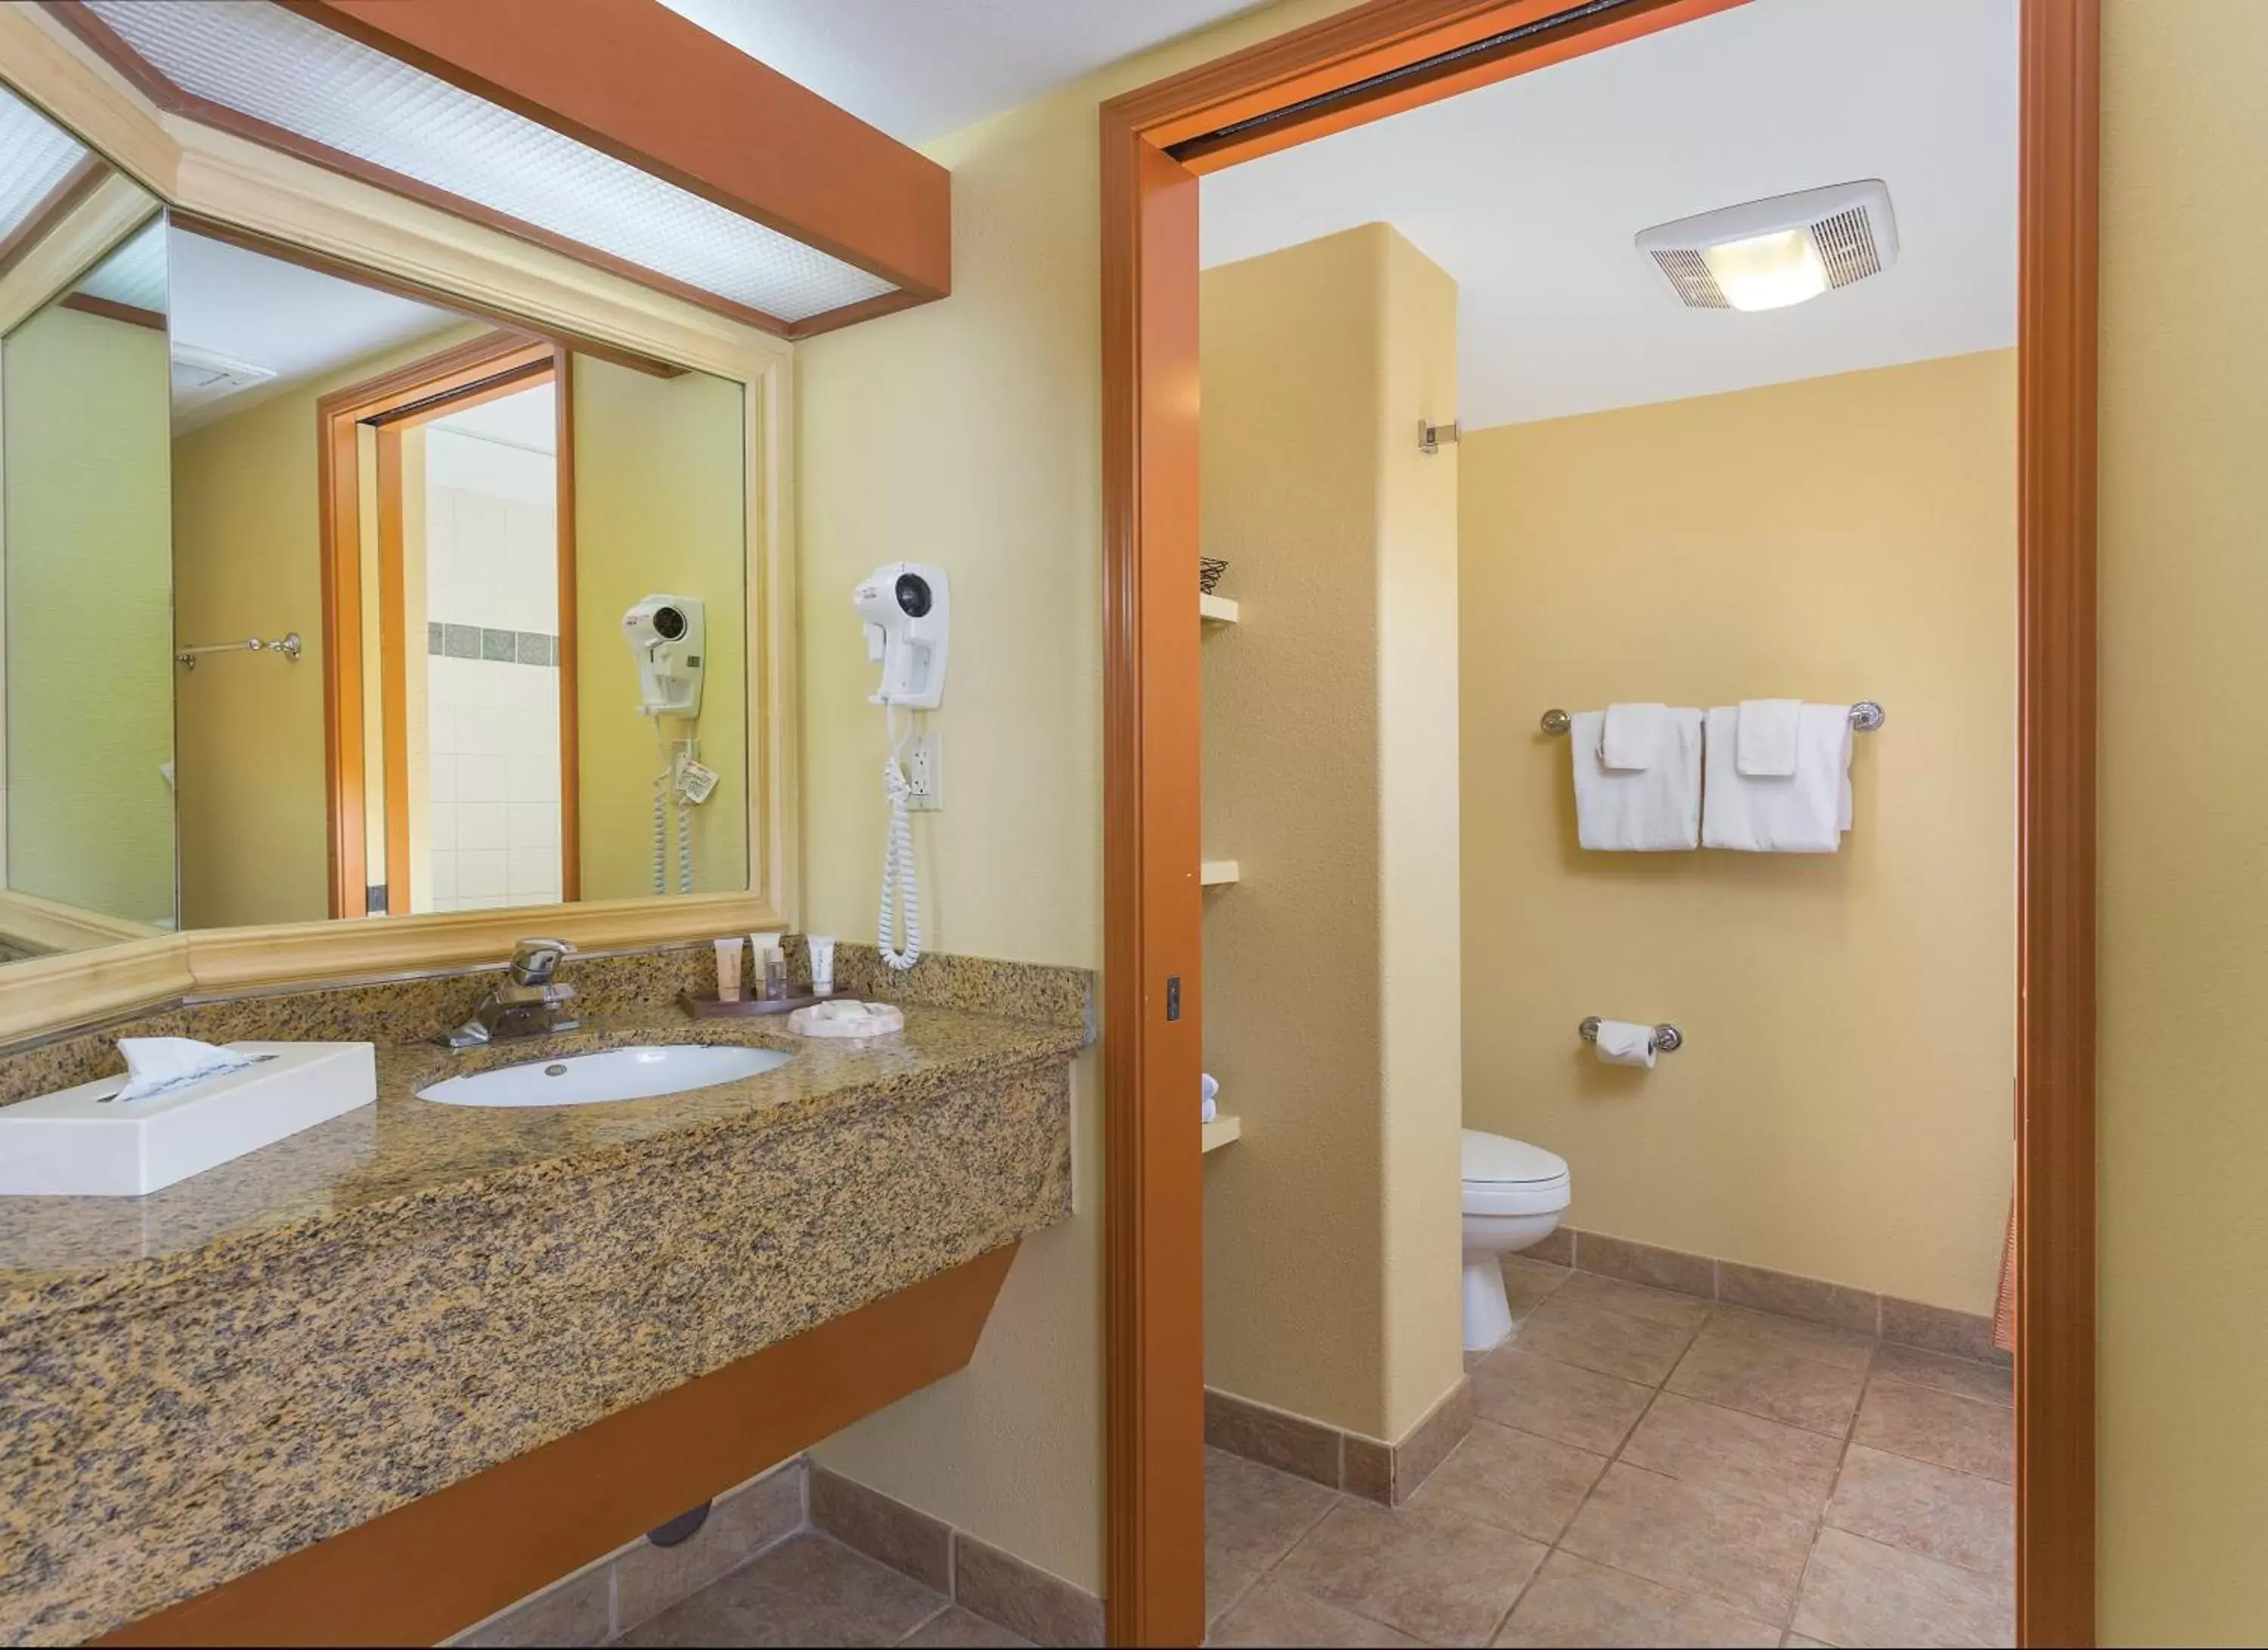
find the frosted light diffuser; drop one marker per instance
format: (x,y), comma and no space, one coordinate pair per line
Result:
(35,155)
(1767,254)
(135,275)
(263,61)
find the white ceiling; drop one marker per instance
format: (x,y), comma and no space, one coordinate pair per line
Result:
(1529,191)
(527,420)
(298,322)
(919,68)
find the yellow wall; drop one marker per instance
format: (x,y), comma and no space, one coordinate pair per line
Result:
(658,507)
(1841,1109)
(1330,1249)
(249,562)
(2183,959)
(969,433)
(89,651)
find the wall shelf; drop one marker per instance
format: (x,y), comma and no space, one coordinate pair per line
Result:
(1220,1132)
(1216,609)
(1215,874)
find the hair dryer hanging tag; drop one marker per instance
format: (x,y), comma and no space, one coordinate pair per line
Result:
(695,782)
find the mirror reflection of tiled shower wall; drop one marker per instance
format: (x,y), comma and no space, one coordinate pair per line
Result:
(492,658)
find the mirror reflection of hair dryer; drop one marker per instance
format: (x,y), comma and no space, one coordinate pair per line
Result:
(667,636)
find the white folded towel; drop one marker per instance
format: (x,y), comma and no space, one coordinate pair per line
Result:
(1630,735)
(1645,810)
(1767,737)
(155,1065)
(1806,812)
(1210,1090)
(1620,1042)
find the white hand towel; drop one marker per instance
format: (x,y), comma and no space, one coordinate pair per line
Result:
(1210,1089)
(1630,735)
(155,1065)
(1622,1044)
(1767,737)
(1806,812)
(1648,810)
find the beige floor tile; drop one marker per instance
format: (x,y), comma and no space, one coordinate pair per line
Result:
(1988,1383)
(1446,1579)
(1741,1371)
(1745,1556)
(1638,1300)
(1581,1331)
(1254,1515)
(1819,1341)
(1529,1284)
(1925,1508)
(1859,1591)
(1769,1462)
(1574,1601)
(1932,1426)
(1515,1480)
(955,1629)
(1557,1400)
(1273,1615)
(805,1591)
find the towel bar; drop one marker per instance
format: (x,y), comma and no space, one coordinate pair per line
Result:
(1866,717)
(1668,1039)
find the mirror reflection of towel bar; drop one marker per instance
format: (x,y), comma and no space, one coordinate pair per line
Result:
(287,645)
(1667,1038)
(1866,717)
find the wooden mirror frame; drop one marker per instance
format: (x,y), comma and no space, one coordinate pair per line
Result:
(274,199)
(1303,84)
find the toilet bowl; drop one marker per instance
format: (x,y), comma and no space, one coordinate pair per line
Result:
(1514,1194)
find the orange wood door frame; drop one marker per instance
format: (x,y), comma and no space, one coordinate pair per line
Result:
(1155,141)
(431,1569)
(495,363)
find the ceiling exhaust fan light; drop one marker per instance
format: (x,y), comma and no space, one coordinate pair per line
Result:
(1767,271)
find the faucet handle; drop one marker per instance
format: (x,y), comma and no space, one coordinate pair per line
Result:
(532,961)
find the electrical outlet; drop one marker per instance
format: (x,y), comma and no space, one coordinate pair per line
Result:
(925,773)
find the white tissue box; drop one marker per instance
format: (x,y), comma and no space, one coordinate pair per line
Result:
(81,1143)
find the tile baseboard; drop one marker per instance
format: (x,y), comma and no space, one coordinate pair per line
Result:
(1815,1299)
(1388,1473)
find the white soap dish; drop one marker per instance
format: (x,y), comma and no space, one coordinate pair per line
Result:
(82,1143)
(846,1020)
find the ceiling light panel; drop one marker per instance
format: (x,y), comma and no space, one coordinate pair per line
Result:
(35,155)
(135,275)
(264,60)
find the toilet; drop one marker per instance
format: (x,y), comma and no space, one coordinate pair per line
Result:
(1514,1194)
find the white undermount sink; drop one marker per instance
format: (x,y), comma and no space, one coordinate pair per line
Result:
(584,1079)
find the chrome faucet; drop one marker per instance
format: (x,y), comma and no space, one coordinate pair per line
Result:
(526,1004)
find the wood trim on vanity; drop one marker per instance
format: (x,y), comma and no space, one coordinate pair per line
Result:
(429,1570)
(1303,84)
(2056,358)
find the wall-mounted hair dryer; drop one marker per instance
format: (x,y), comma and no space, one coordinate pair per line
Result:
(906,610)
(666,635)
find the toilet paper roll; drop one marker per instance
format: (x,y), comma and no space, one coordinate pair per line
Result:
(1622,1044)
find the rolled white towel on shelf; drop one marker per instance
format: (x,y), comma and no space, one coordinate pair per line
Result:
(1620,1043)
(1210,1090)
(157,1065)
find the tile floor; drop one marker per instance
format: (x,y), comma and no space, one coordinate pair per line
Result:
(1648,1468)
(811,1589)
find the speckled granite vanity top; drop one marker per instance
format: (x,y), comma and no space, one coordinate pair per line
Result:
(198,1382)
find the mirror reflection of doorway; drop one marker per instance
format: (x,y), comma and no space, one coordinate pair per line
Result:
(451,689)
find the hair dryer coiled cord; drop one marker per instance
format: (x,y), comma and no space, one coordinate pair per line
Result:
(898,871)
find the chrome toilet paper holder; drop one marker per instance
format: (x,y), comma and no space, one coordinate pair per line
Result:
(1667,1038)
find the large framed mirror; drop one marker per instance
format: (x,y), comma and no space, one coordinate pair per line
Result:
(369,582)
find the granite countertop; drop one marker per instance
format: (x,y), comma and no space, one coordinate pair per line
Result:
(206,1379)
(347,1174)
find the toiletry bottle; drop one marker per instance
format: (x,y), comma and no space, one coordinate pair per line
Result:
(775,974)
(822,950)
(728,970)
(761,946)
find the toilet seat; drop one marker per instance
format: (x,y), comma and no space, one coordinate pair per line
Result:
(1503,1176)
